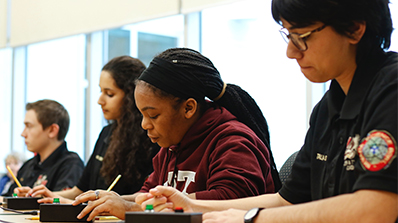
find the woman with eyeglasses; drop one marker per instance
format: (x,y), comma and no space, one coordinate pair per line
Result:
(346,170)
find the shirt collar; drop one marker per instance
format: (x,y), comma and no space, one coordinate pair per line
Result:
(349,106)
(53,158)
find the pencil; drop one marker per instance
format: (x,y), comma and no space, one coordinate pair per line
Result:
(107,218)
(13,176)
(33,218)
(114,182)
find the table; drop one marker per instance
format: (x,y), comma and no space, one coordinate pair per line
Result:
(10,217)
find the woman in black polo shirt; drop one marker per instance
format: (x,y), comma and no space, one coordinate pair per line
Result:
(346,170)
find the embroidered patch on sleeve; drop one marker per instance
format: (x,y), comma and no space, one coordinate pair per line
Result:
(377,150)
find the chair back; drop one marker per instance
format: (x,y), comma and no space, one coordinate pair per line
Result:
(286,168)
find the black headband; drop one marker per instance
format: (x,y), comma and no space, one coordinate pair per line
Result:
(178,81)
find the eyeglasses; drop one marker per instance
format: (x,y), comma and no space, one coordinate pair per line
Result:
(299,40)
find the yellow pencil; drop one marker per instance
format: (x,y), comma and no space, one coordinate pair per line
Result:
(13,176)
(33,218)
(107,218)
(114,182)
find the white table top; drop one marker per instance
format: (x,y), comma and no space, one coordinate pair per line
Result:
(10,217)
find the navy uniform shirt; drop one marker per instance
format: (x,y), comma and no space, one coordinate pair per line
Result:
(61,170)
(351,143)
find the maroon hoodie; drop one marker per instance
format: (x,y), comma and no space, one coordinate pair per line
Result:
(218,158)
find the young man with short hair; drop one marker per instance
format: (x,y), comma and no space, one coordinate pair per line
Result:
(46,125)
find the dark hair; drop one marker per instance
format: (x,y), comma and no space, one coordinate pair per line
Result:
(129,152)
(51,112)
(235,100)
(341,15)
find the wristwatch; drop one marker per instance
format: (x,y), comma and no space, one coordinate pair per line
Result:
(252,214)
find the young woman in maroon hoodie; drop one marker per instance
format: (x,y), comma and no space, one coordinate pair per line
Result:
(214,138)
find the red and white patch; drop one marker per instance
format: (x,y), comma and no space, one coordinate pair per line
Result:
(377,150)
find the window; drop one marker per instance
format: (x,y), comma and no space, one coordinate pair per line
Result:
(394,17)
(56,70)
(246,47)
(153,37)
(5,101)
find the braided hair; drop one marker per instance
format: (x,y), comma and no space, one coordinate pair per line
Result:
(129,152)
(206,82)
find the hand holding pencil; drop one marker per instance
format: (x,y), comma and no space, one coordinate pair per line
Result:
(114,183)
(108,199)
(21,191)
